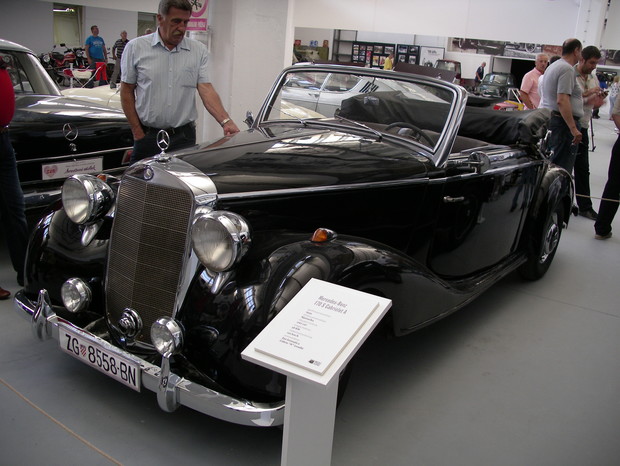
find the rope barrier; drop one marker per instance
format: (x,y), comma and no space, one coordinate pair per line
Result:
(599,198)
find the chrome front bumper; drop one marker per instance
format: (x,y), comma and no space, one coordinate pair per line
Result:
(172,390)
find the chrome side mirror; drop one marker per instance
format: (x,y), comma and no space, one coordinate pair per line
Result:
(249,119)
(480,161)
(477,160)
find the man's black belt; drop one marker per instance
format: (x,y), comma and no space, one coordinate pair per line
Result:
(150,129)
(555,113)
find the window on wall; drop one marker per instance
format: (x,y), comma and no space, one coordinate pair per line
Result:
(67,24)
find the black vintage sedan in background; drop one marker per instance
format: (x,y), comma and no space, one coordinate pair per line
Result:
(54,136)
(383,182)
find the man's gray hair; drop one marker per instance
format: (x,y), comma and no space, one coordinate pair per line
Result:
(165,5)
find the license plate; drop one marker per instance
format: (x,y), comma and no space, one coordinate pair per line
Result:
(114,365)
(66,169)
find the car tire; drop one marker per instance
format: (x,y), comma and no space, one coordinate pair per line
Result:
(543,245)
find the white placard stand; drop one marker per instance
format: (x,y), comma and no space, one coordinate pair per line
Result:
(311,393)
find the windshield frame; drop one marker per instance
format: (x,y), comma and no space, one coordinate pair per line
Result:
(437,154)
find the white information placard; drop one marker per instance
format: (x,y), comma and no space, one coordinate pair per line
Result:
(314,328)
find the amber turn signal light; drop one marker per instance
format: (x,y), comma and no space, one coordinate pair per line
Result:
(322,235)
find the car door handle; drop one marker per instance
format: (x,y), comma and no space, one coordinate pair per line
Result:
(452,200)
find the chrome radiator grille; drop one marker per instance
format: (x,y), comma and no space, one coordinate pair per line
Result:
(147,250)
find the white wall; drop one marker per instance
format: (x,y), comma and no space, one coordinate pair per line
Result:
(387,37)
(32,24)
(541,21)
(250,44)
(29,24)
(611,37)
(147,6)
(110,23)
(305,35)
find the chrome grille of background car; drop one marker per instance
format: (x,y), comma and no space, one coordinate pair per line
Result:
(147,250)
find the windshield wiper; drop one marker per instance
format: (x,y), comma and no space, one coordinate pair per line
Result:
(301,120)
(361,125)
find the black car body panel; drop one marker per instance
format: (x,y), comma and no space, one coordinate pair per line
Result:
(427,220)
(39,136)
(55,136)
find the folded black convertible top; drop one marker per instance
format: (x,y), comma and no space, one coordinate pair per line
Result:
(484,124)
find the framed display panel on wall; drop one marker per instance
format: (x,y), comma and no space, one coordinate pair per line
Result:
(406,53)
(371,54)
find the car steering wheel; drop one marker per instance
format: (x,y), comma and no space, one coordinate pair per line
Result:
(418,132)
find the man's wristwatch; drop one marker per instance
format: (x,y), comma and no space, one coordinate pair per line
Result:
(224,121)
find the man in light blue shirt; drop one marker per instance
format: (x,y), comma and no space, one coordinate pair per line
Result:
(160,75)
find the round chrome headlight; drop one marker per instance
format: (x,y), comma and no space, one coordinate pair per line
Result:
(220,239)
(167,336)
(76,294)
(86,198)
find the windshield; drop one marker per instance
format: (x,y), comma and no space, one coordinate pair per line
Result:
(495,79)
(411,108)
(446,65)
(27,74)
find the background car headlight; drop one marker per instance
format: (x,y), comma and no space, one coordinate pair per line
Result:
(167,336)
(86,198)
(76,294)
(220,239)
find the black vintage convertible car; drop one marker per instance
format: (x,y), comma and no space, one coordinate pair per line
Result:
(56,136)
(378,181)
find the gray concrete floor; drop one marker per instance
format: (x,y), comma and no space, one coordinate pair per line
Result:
(527,374)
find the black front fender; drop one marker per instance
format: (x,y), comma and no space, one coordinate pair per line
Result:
(221,325)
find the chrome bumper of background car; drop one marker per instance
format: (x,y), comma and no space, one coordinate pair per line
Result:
(171,389)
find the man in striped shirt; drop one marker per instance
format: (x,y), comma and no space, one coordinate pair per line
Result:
(160,75)
(117,52)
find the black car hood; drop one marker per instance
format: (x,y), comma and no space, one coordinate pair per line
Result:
(38,128)
(284,158)
(33,109)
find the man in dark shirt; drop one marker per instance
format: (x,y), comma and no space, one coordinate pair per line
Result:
(117,52)
(479,74)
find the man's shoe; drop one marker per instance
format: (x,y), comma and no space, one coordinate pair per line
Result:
(607,236)
(112,86)
(589,213)
(4,294)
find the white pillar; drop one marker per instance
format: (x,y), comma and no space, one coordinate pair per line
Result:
(250,44)
(309,421)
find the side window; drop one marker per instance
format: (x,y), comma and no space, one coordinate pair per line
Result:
(21,85)
(309,81)
(340,82)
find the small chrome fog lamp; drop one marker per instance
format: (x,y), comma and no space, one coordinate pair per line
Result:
(167,336)
(76,294)
(86,198)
